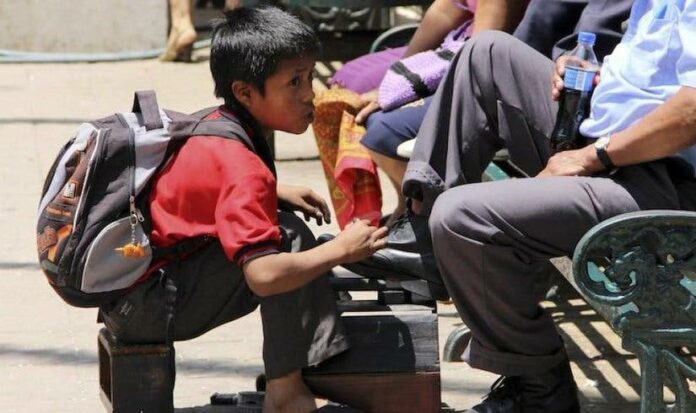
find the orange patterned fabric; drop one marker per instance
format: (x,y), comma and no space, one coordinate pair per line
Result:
(350,173)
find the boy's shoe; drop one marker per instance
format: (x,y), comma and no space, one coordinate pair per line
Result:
(409,253)
(552,392)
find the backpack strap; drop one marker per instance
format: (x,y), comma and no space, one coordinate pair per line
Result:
(225,128)
(145,103)
(228,126)
(260,144)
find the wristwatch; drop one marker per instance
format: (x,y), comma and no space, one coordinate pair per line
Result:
(601,145)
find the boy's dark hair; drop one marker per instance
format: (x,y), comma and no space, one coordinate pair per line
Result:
(249,43)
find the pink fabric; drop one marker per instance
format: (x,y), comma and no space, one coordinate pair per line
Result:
(365,73)
(466,5)
(469,5)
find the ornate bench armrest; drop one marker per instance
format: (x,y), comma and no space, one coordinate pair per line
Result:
(643,264)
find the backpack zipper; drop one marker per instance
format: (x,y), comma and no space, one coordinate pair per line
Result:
(90,165)
(84,192)
(135,216)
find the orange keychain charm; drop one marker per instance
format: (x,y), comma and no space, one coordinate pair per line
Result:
(132,250)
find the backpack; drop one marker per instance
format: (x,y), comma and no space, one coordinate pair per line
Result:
(93,225)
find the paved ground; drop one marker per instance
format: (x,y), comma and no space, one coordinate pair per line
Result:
(48,350)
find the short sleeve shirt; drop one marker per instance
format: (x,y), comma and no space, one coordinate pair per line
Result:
(655,58)
(217,187)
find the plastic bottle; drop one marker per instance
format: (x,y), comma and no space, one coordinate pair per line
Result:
(574,106)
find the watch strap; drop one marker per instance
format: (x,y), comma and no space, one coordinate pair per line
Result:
(604,157)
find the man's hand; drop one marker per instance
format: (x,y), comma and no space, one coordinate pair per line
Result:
(578,162)
(557,84)
(303,199)
(370,106)
(360,240)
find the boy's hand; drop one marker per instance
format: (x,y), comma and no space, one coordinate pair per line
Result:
(360,240)
(303,199)
(370,106)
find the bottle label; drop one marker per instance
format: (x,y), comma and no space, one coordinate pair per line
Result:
(579,79)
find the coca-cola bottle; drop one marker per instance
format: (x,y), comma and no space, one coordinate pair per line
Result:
(574,106)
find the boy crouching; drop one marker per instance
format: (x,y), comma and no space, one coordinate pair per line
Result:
(262,62)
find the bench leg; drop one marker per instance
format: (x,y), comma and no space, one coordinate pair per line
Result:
(661,365)
(652,397)
(686,400)
(456,344)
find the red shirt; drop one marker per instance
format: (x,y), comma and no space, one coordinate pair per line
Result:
(217,186)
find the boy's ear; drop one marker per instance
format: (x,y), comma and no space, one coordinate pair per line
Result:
(242,92)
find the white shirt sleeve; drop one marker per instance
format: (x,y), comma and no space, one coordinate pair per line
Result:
(686,64)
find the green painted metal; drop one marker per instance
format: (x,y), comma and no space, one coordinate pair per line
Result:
(645,290)
(494,173)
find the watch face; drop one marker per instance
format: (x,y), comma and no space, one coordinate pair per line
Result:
(602,142)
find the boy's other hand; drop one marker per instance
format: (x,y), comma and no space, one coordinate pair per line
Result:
(303,199)
(359,240)
(370,106)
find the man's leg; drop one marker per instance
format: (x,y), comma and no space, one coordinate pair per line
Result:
(496,94)
(489,238)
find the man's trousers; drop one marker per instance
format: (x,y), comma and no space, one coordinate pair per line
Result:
(490,237)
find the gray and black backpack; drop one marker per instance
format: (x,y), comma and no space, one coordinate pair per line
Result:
(93,224)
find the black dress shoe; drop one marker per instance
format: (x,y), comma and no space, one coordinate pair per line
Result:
(552,392)
(505,397)
(408,255)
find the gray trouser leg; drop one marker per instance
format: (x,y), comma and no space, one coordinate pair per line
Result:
(496,94)
(301,328)
(488,238)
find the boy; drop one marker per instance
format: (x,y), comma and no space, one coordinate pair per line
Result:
(261,61)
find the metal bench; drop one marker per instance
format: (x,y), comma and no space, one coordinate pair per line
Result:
(638,270)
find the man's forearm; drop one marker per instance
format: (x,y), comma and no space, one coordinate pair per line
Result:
(668,129)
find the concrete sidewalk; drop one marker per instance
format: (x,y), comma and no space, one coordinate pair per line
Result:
(48,356)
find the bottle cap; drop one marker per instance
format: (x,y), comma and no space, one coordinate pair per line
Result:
(587,37)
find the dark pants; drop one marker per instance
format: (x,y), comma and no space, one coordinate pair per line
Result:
(301,328)
(387,130)
(489,238)
(551,26)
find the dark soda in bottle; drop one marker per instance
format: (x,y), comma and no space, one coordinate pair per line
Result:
(574,106)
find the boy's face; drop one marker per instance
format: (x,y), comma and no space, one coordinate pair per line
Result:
(287,103)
